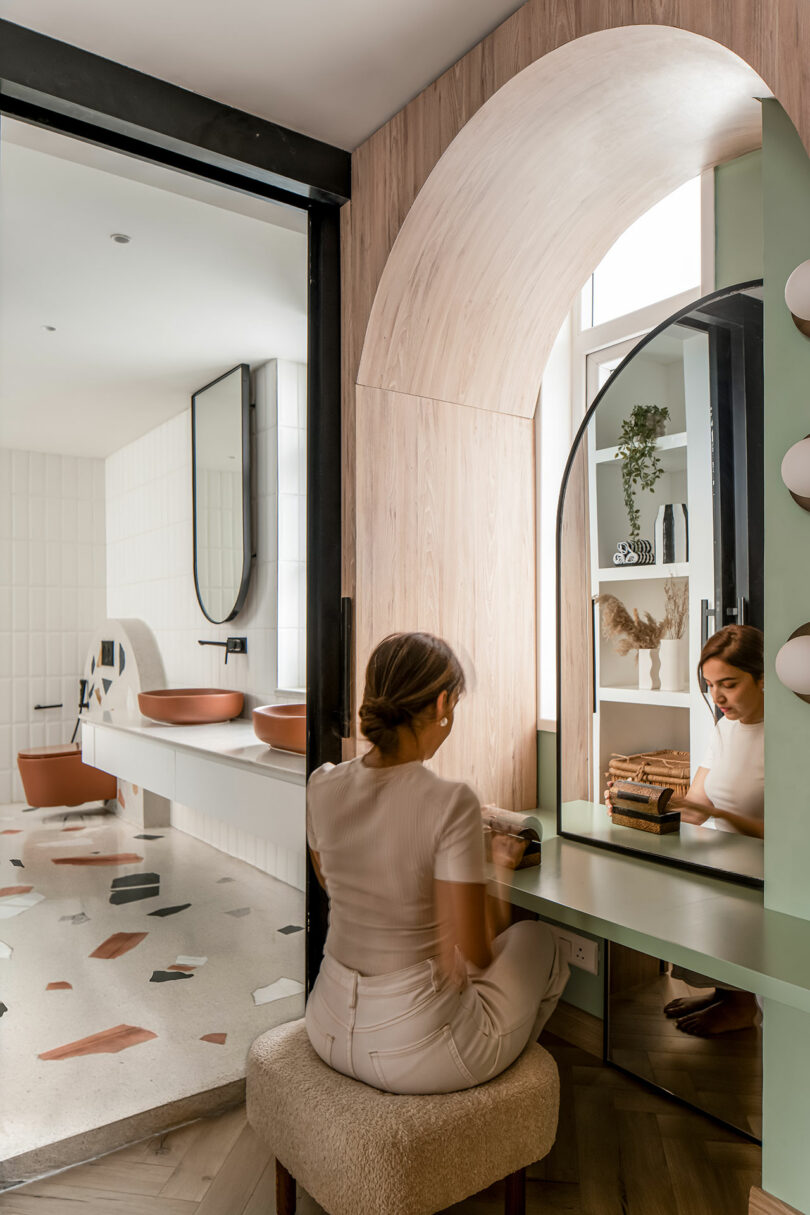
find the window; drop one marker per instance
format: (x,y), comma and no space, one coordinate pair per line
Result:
(657,257)
(655,265)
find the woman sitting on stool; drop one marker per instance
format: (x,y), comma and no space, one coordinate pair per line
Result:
(414,995)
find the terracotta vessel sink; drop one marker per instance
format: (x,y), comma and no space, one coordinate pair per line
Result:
(190,706)
(282,726)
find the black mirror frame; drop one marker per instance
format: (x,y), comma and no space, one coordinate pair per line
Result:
(247,531)
(672,862)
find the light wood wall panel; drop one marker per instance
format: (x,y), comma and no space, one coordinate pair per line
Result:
(445,544)
(388,172)
(576,655)
(390,168)
(531,195)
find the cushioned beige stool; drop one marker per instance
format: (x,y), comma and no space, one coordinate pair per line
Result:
(359,1151)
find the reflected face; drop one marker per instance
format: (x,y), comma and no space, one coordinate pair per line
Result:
(736,693)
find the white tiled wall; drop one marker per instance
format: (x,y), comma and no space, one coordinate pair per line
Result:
(150,561)
(52,595)
(292,524)
(271,858)
(151,572)
(219,539)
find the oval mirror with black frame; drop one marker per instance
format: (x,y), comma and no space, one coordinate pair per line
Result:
(220,470)
(659,545)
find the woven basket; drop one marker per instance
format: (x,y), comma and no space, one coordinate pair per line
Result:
(668,768)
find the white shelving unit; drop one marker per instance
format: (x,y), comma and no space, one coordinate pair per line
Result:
(672,371)
(633,695)
(638,573)
(605,455)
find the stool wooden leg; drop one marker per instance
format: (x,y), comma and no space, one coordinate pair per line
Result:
(285,1191)
(515,1196)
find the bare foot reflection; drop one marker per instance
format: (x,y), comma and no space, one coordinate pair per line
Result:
(732,1010)
(684,1005)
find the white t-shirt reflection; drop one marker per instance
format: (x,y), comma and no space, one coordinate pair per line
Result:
(736,777)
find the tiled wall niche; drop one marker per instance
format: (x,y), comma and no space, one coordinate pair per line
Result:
(52,596)
(149,547)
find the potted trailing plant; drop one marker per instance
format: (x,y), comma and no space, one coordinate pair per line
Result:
(641,467)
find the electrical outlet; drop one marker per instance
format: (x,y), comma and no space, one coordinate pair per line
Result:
(578,951)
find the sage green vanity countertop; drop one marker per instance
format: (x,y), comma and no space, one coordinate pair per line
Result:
(703,923)
(725,850)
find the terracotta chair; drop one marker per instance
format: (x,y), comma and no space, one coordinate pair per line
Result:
(359,1151)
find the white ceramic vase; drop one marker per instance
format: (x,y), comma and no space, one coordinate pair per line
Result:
(674,664)
(648,671)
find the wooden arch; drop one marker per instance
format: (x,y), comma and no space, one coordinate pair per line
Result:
(476,214)
(532,193)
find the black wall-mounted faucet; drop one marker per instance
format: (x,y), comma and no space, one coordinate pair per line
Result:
(233,645)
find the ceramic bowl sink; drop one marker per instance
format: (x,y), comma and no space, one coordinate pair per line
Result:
(190,706)
(282,726)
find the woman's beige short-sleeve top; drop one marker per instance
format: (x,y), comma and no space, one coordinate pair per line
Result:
(383,836)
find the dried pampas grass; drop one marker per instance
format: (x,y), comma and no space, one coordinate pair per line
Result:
(676,597)
(628,632)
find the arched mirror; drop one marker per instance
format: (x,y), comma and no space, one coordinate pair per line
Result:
(220,445)
(659,546)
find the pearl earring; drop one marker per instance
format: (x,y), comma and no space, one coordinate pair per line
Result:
(443,721)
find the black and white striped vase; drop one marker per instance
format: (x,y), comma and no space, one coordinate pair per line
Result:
(672,534)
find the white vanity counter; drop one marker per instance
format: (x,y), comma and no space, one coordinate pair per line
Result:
(231,742)
(220,771)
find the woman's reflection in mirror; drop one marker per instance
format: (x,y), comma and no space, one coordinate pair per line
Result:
(730,783)
(728,792)
(728,789)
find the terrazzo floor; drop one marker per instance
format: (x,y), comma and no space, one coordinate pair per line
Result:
(136,967)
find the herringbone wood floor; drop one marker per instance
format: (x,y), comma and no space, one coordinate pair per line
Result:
(621,1150)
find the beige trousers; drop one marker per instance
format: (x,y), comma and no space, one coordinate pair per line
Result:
(414,1031)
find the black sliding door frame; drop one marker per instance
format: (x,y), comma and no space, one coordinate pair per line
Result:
(65,89)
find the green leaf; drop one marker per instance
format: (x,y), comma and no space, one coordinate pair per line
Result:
(641,466)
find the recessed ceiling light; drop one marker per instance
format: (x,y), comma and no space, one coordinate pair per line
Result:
(120,238)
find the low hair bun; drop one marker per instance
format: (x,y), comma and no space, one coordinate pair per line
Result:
(404,676)
(379,720)
(382,710)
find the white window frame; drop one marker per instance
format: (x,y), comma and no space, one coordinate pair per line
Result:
(588,341)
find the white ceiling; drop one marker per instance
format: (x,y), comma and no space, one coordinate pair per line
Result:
(211,278)
(336,71)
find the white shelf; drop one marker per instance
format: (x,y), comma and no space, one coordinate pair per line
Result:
(635,573)
(603,455)
(634,695)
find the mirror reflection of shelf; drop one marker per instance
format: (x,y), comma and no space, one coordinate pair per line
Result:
(630,694)
(634,573)
(665,443)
